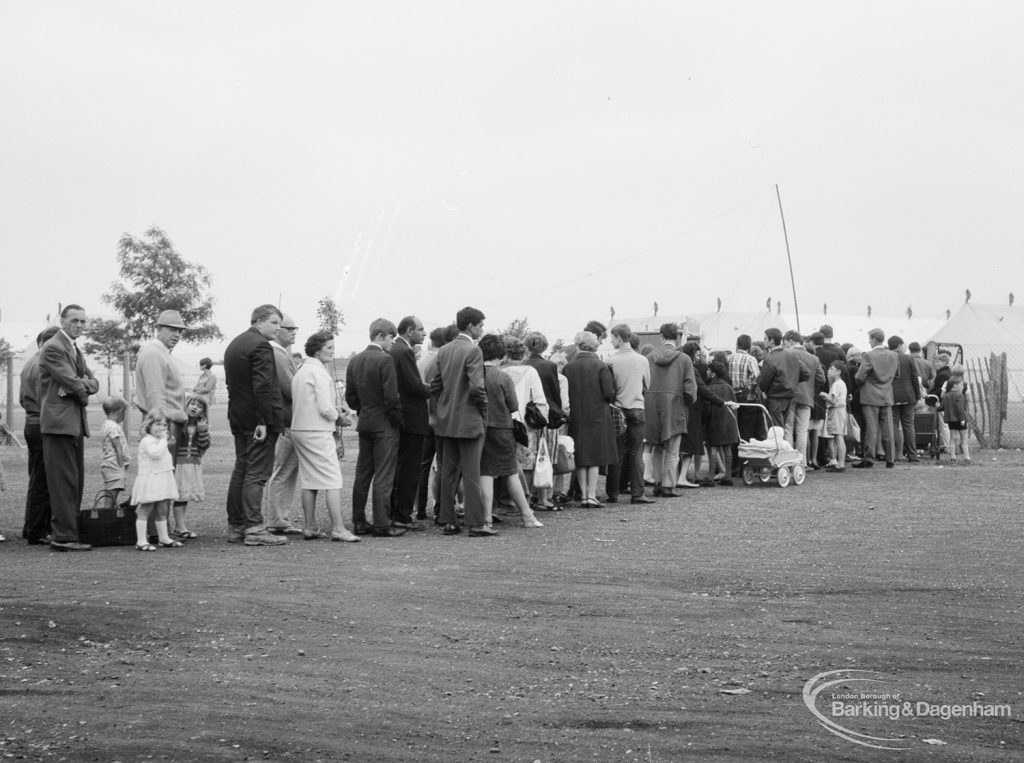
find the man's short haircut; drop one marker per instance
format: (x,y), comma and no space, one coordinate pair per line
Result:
(818,338)
(206,363)
(586,340)
(826,330)
(669,331)
(914,347)
(840,365)
(894,342)
(263,312)
(114,404)
(535,342)
(46,335)
(646,350)
(316,342)
(793,336)
(597,329)
(691,348)
(492,347)
(634,341)
(382,326)
(408,322)
(514,347)
(468,316)
(876,335)
(437,336)
(622,331)
(743,342)
(68,308)
(774,335)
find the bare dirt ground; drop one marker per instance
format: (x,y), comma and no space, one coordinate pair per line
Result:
(683,629)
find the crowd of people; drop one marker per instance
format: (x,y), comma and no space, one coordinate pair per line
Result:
(467,433)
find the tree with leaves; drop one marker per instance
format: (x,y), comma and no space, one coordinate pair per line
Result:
(106,341)
(519,327)
(329,316)
(155,277)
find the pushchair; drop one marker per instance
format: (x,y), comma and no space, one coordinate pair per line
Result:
(773,458)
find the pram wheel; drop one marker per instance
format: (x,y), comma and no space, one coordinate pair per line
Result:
(799,474)
(748,475)
(784,476)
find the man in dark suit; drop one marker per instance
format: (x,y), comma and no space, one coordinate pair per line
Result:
(413,394)
(255,416)
(461,421)
(879,366)
(371,390)
(906,392)
(36,529)
(65,384)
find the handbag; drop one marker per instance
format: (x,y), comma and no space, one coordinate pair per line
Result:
(556,419)
(106,524)
(852,427)
(519,433)
(618,420)
(565,455)
(534,418)
(543,473)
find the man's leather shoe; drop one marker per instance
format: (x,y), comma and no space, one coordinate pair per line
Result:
(44,541)
(668,492)
(656,491)
(642,500)
(452,530)
(611,499)
(889,464)
(482,532)
(863,465)
(69,545)
(408,525)
(388,532)
(362,529)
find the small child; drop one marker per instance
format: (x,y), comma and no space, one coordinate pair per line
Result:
(723,431)
(835,417)
(154,487)
(114,466)
(954,411)
(191,442)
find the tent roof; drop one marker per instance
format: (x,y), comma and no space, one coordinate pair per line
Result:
(989,325)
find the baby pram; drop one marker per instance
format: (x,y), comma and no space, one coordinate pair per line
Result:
(772,458)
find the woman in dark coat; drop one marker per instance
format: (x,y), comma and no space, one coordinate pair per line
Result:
(592,390)
(536,343)
(692,446)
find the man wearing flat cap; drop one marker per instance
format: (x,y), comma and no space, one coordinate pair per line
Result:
(158,385)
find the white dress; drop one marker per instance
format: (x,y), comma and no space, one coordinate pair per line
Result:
(155,481)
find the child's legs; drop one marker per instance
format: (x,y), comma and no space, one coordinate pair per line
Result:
(964,447)
(840,450)
(161,510)
(178,514)
(142,514)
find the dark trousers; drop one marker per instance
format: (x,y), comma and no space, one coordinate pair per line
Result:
(461,453)
(407,476)
(423,486)
(64,461)
(254,461)
(750,421)
(778,409)
(37,500)
(378,457)
(629,470)
(903,430)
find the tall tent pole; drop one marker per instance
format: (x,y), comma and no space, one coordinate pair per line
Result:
(789,257)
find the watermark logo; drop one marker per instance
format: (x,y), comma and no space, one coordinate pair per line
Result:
(869,697)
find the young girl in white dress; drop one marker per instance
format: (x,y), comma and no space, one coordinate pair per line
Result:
(155,486)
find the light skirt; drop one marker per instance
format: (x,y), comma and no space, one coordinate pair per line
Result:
(318,460)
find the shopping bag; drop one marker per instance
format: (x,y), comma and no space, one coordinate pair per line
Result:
(543,473)
(106,524)
(565,455)
(852,428)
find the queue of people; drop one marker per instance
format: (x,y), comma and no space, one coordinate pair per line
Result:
(468,432)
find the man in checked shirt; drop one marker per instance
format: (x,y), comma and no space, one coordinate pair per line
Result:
(743,373)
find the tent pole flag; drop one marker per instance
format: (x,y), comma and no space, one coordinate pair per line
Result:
(792,280)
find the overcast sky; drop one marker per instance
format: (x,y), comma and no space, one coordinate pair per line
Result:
(540,159)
